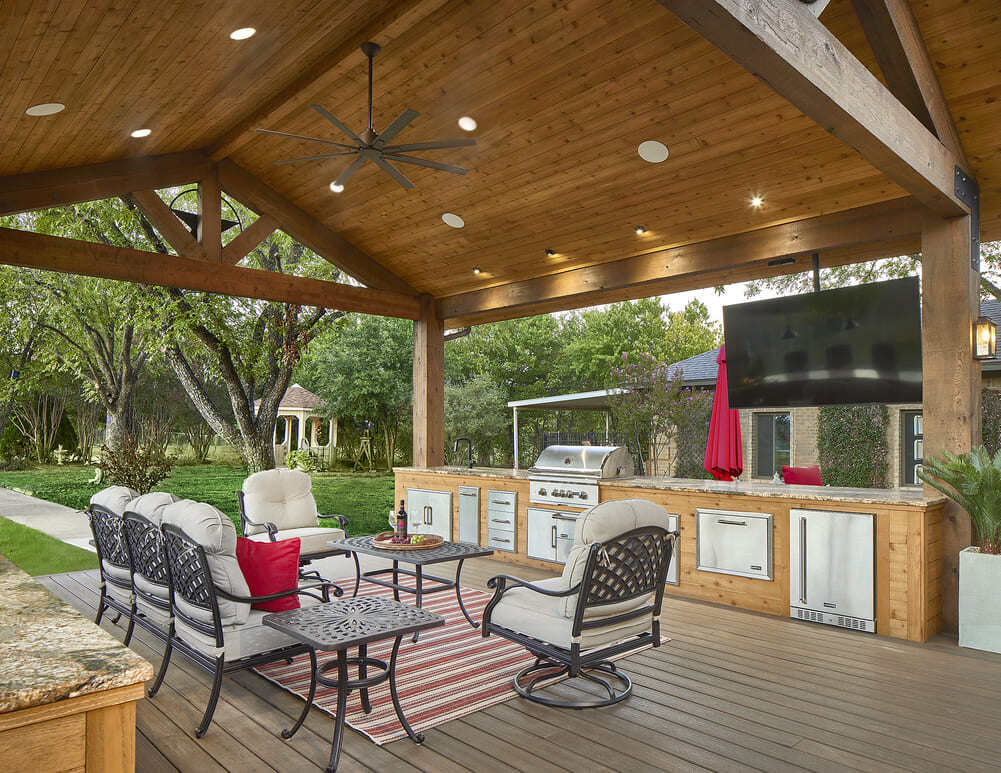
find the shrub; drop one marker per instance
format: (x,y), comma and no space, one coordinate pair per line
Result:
(990,402)
(301,459)
(972,480)
(139,466)
(851,441)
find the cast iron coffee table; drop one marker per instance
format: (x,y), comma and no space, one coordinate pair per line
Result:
(447,551)
(337,626)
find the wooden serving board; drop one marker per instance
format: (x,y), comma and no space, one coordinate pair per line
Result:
(382,541)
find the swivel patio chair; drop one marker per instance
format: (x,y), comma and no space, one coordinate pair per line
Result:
(115,590)
(278,504)
(210,602)
(606,603)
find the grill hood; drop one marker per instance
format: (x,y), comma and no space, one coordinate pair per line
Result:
(591,461)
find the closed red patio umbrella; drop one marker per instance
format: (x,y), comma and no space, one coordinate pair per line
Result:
(724,458)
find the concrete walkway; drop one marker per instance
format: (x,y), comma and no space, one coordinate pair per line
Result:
(58,521)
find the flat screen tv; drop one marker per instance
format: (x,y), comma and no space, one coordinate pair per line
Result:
(835,347)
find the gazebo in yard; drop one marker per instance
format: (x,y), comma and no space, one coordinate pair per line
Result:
(300,416)
(772,135)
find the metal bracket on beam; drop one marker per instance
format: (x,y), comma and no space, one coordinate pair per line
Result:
(968,192)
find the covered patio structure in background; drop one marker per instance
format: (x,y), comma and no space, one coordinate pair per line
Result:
(797,132)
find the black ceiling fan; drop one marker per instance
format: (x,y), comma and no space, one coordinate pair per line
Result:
(370,146)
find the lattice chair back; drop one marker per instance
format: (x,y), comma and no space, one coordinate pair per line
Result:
(191,588)
(630,566)
(145,544)
(109,541)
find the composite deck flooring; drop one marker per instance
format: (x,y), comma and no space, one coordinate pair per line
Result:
(731,691)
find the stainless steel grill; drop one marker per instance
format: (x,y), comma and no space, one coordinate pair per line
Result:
(569,475)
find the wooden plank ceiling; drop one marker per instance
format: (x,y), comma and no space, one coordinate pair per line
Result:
(563,92)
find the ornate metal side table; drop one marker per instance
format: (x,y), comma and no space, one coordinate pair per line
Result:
(448,551)
(338,626)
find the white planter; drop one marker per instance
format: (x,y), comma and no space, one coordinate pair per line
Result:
(979,600)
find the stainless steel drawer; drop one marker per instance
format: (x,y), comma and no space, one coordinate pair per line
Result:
(500,539)
(501,501)
(735,543)
(500,521)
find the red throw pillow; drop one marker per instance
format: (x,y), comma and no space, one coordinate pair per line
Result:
(270,567)
(804,476)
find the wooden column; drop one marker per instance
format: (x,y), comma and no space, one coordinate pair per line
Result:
(951,409)
(210,216)
(429,386)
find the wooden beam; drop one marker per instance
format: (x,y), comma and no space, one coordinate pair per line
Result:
(210,215)
(171,228)
(53,253)
(790,50)
(429,386)
(950,301)
(728,259)
(306,229)
(816,6)
(59,187)
(900,51)
(248,239)
(316,79)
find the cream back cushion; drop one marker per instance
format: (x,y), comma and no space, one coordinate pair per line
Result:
(114,498)
(151,505)
(282,496)
(214,531)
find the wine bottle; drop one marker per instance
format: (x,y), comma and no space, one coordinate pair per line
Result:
(401,521)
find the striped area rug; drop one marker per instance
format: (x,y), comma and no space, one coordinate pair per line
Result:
(451,671)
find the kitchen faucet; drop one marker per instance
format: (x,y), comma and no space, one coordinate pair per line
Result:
(469,447)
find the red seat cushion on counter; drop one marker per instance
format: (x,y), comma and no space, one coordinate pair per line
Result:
(804,476)
(270,567)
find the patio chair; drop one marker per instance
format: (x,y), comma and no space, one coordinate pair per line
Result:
(214,624)
(150,580)
(115,590)
(606,603)
(278,504)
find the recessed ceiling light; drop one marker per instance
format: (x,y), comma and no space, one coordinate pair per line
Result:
(652,151)
(453,220)
(138,133)
(336,187)
(550,253)
(640,229)
(476,269)
(467,124)
(243,33)
(46,108)
(756,201)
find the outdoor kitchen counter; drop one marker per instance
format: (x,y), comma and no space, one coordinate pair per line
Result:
(908,540)
(67,687)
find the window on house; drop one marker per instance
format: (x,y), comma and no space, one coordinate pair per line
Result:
(913,451)
(771,440)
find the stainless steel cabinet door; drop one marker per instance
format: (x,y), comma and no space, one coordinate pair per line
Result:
(469,514)
(831,562)
(735,543)
(541,532)
(430,512)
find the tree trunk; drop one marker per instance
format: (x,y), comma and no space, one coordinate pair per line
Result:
(258,452)
(120,419)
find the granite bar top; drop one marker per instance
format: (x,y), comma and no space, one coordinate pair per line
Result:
(49,651)
(913,497)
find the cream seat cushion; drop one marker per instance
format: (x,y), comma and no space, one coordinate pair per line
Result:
(151,505)
(214,531)
(114,498)
(313,539)
(281,496)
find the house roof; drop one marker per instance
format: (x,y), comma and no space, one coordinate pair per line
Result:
(581,401)
(299,398)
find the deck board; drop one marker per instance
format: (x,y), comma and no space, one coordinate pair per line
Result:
(731,691)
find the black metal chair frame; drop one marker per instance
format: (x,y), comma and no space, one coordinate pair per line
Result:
(110,545)
(629,566)
(191,578)
(272,529)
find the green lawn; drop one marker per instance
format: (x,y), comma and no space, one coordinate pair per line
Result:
(38,553)
(365,498)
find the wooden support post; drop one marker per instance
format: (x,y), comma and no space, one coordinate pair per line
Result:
(210,215)
(429,386)
(951,406)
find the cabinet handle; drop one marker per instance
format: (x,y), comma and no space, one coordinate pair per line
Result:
(554,537)
(466,494)
(499,502)
(499,539)
(498,520)
(731,523)
(564,517)
(802,560)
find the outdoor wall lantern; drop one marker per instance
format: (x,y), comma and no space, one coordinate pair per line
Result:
(985,338)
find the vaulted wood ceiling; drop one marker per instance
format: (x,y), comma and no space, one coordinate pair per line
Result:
(563,93)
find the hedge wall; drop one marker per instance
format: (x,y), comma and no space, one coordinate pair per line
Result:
(990,404)
(852,445)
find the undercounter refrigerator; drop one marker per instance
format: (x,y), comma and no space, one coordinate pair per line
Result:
(832,568)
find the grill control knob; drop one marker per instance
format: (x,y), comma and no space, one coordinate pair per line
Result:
(583,495)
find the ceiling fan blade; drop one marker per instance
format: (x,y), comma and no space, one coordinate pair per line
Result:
(310,139)
(355,166)
(322,111)
(396,127)
(393,172)
(314,158)
(461,143)
(424,162)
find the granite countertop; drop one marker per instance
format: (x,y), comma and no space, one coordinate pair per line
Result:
(913,497)
(49,651)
